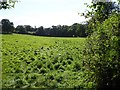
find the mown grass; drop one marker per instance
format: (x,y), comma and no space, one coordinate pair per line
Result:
(42,62)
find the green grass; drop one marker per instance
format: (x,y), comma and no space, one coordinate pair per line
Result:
(44,62)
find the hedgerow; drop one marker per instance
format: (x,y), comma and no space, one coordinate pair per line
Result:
(102,54)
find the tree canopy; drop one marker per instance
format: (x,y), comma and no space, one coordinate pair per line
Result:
(99,12)
(7,4)
(7,26)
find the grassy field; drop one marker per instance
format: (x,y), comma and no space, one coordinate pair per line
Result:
(42,62)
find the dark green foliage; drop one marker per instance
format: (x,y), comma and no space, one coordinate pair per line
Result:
(40,31)
(75,30)
(78,30)
(29,28)
(7,26)
(21,29)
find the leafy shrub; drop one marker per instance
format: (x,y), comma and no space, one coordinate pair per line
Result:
(102,53)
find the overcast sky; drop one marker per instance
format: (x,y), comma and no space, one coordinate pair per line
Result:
(45,12)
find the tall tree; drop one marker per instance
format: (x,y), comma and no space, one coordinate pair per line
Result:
(40,31)
(20,29)
(7,26)
(28,28)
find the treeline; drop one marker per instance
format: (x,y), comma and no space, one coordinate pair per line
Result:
(75,30)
